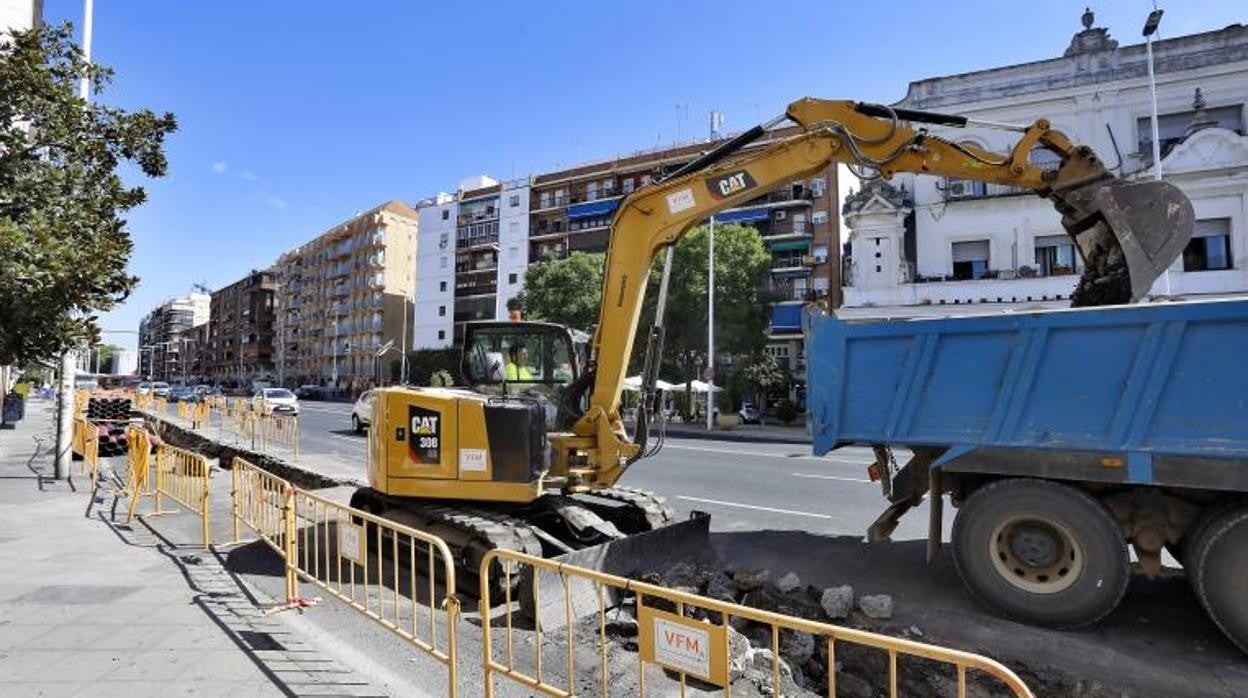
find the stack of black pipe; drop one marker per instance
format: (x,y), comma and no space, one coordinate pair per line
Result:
(110,415)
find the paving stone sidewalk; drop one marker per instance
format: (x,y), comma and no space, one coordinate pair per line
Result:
(94,607)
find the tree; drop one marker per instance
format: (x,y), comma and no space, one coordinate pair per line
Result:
(61,197)
(763,377)
(741,259)
(564,291)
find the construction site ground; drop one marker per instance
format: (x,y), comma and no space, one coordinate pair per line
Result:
(1158,643)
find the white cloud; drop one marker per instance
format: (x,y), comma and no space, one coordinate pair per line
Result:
(272,201)
(219,167)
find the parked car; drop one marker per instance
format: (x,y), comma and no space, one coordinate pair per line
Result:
(161,389)
(145,388)
(275,401)
(362,412)
(750,414)
(309,392)
(181,393)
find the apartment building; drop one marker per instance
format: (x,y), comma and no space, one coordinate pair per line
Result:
(342,296)
(162,343)
(928,242)
(196,353)
(474,249)
(239,346)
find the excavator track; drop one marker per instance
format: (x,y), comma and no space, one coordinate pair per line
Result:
(653,507)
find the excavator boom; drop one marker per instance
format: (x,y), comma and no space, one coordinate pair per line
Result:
(1127,233)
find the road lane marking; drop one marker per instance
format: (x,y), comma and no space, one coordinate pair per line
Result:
(754,506)
(787,456)
(832,477)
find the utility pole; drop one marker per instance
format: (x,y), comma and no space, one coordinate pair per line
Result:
(710,327)
(65,406)
(1150,28)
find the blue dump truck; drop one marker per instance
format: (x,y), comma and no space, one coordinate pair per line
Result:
(1064,438)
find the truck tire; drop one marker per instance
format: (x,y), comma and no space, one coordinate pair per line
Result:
(1193,535)
(1219,556)
(1040,552)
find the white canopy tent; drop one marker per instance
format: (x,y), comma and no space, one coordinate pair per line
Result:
(634,383)
(696,386)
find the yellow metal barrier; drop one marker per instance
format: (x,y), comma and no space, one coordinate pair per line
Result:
(184,477)
(691,648)
(138,462)
(184,409)
(201,414)
(85,441)
(401,578)
(278,430)
(374,565)
(265,503)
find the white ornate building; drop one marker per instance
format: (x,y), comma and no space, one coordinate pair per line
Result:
(922,241)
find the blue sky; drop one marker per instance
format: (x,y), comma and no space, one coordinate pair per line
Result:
(293,116)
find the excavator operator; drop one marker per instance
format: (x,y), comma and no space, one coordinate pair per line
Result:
(518,363)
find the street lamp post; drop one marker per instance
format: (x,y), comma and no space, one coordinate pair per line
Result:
(710,327)
(1150,28)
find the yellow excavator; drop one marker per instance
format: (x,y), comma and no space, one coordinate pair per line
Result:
(529,456)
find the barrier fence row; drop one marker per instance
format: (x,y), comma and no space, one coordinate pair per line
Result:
(405,580)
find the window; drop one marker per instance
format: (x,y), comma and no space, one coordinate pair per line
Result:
(511,278)
(442,262)
(591,191)
(629,184)
(970,259)
(1055,255)
(513,252)
(441,334)
(446,214)
(799,222)
(442,286)
(1170,127)
(514,201)
(777,351)
(544,200)
(820,253)
(819,217)
(441,311)
(818,185)
(1210,246)
(608,186)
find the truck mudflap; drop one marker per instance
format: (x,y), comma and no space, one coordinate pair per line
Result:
(543,599)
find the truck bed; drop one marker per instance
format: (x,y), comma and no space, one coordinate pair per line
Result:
(1151,393)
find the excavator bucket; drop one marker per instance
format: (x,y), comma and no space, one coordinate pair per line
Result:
(632,557)
(1128,233)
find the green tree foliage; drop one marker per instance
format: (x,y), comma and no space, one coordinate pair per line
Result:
(65,246)
(564,291)
(740,313)
(763,377)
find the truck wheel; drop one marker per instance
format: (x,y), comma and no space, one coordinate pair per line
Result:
(1040,552)
(1219,557)
(1193,535)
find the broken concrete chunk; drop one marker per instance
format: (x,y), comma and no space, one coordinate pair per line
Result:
(738,654)
(749,580)
(796,647)
(879,606)
(789,582)
(837,602)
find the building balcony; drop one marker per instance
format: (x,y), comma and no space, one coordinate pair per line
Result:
(470,243)
(474,269)
(476,290)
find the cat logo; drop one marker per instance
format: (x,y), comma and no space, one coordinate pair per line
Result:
(424,425)
(727,185)
(424,436)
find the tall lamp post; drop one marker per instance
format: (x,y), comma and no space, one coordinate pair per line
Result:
(1150,28)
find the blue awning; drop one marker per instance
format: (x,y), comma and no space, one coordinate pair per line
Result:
(746,216)
(593,208)
(786,318)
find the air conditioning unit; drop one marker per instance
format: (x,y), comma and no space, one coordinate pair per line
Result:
(962,189)
(781,215)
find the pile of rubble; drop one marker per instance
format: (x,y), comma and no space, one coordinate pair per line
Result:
(803,661)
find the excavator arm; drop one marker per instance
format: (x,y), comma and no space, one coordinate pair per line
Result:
(1127,233)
